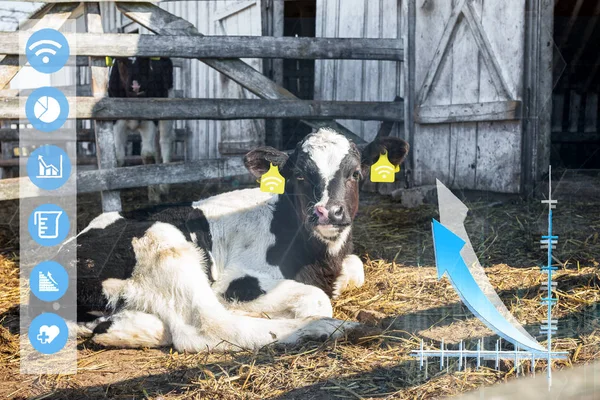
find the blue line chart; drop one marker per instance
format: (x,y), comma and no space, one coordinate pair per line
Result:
(456,259)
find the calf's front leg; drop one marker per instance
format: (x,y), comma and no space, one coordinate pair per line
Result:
(353,275)
(149,155)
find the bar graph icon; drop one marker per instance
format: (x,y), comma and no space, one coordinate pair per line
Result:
(49,171)
(47,283)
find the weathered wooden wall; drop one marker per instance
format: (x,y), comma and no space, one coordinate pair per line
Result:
(470,155)
(354,80)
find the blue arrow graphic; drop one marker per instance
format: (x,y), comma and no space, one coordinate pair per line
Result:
(449,261)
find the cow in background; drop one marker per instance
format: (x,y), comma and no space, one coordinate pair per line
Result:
(144,77)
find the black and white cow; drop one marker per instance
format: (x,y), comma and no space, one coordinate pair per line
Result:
(194,275)
(143,77)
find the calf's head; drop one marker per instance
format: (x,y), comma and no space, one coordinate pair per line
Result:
(322,178)
(141,77)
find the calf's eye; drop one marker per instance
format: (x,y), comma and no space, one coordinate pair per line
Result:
(356,175)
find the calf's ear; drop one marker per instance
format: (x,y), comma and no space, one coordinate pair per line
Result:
(259,161)
(396,148)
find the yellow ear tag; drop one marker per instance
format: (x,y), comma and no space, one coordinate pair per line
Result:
(109,61)
(383,170)
(272,181)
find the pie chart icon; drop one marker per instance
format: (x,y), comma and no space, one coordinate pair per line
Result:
(47,109)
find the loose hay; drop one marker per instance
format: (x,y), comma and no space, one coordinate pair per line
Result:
(402,297)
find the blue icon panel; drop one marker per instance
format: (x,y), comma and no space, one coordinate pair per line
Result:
(49,167)
(48,225)
(49,281)
(47,51)
(47,109)
(48,333)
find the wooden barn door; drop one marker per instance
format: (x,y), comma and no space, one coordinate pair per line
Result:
(238,18)
(468,85)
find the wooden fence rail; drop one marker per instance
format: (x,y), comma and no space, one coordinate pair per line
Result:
(128,45)
(217,109)
(83,135)
(129,177)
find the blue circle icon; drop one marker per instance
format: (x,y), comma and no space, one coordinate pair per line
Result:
(47,109)
(49,225)
(49,167)
(47,51)
(48,333)
(49,281)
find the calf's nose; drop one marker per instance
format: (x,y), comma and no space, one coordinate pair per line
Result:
(135,86)
(336,214)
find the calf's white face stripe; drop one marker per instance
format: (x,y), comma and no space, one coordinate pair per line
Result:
(327,150)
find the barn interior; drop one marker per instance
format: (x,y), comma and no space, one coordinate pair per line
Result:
(576,73)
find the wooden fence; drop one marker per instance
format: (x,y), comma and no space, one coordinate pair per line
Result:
(175,37)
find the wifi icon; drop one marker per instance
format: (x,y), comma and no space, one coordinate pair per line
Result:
(272,181)
(47,51)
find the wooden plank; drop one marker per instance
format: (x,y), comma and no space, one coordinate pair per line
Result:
(164,23)
(134,45)
(537,94)
(465,90)
(432,142)
(410,88)
(83,135)
(105,136)
(129,161)
(81,90)
(275,27)
(55,18)
(110,180)
(591,112)
(470,112)
(218,109)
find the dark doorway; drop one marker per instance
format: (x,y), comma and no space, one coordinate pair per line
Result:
(575,111)
(298,75)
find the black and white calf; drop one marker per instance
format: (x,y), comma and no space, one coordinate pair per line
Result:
(142,77)
(195,275)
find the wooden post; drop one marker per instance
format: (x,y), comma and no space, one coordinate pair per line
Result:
(535,153)
(272,25)
(105,138)
(162,22)
(410,90)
